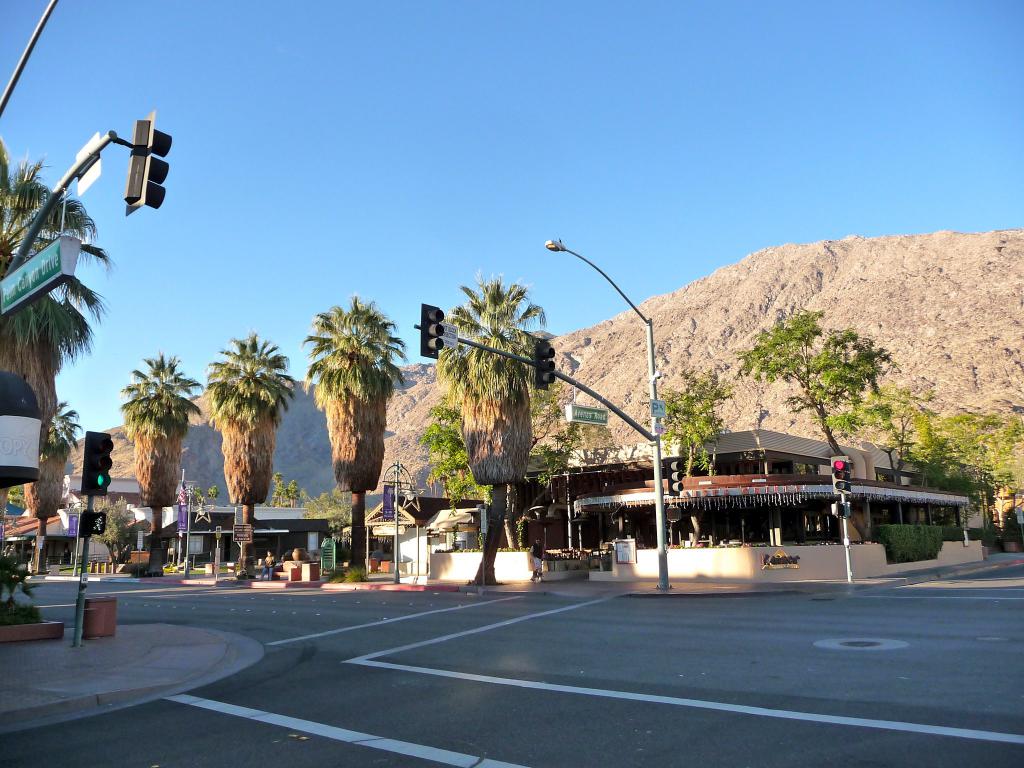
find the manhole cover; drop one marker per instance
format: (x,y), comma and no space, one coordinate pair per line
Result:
(860,644)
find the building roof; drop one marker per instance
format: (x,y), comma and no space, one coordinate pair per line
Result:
(418,510)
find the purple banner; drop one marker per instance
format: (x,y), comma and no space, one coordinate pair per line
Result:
(73,525)
(388,513)
(182,517)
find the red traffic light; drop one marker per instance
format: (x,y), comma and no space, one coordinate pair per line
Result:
(839,465)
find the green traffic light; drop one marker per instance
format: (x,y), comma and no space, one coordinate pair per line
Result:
(101,480)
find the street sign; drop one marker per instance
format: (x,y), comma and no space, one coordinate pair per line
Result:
(658,409)
(1020,515)
(585,414)
(86,179)
(139,542)
(450,336)
(242,534)
(659,428)
(50,268)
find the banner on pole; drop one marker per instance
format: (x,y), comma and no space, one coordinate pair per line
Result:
(388,512)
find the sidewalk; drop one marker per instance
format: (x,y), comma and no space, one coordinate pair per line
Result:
(48,680)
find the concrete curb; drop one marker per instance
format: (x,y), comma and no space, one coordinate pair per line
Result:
(942,573)
(240,652)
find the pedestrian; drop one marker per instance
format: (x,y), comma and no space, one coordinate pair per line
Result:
(537,555)
(268,567)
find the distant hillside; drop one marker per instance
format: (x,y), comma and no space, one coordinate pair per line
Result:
(949,306)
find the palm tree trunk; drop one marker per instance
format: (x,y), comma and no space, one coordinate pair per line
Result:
(43,497)
(495,514)
(156,552)
(358,556)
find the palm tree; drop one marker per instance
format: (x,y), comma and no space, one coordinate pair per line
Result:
(249,391)
(61,439)
(156,412)
(353,353)
(493,392)
(37,341)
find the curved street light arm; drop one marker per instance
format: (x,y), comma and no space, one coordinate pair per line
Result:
(605,276)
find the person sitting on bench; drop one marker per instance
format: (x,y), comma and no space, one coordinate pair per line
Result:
(268,567)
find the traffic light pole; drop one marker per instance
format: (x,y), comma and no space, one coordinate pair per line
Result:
(846,537)
(83,582)
(90,155)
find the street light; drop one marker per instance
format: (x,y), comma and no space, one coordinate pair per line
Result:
(558,246)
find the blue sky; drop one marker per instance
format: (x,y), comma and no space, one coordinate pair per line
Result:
(397,149)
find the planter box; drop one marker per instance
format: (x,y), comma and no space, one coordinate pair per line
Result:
(44,630)
(1011,546)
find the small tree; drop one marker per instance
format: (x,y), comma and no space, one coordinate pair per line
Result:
(692,420)
(449,461)
(335,507)
(213,492)
(121,528)
(831,371)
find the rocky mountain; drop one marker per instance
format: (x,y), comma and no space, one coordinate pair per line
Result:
(948,305)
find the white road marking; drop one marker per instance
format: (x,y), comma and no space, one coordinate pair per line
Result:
(485,628)
(813,717)
(62,605)
(390,621)
(936,597)
(408,748)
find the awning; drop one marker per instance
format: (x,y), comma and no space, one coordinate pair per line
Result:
(766,495)
(450,519)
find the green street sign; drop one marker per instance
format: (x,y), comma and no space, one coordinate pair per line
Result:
(48,269)
(585,414)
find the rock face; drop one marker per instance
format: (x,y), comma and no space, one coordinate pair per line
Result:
(949,306)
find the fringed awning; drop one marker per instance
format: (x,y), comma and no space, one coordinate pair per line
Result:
(765,496)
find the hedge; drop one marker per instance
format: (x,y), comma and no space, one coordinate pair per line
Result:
(956,533)
(910,543)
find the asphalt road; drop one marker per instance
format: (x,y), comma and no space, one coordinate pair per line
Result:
(934,677)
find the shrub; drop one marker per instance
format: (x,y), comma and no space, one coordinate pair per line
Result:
(956,533)
(20,614)
(1011,529)
(355,573)
(988,535)
(910,543)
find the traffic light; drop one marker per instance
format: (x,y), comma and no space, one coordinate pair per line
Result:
(146,171)
(841,474)
(93,524)
(96,463)
(543,364)
(677,471)
(431,331)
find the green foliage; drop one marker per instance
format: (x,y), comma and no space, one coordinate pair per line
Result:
(888,417)
(250,385)
(989,535)
(831,370)
(353,354)
(355,573)
(556,441)
(13,579)
(212,492)
(910,543)
(335,507)
(499,316)
(692,418)
(449,461)
(121,528)
(158,400)
(16,496)
(20,614)
(956,533)
(285,494)
(1011,529)
(56,323)
(62,436)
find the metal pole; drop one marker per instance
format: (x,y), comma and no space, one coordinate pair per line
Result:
(24,56)
(83,582)
(394,546)
(188,527)
(659,491)
(90,156)
(846,541)
(78,535)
